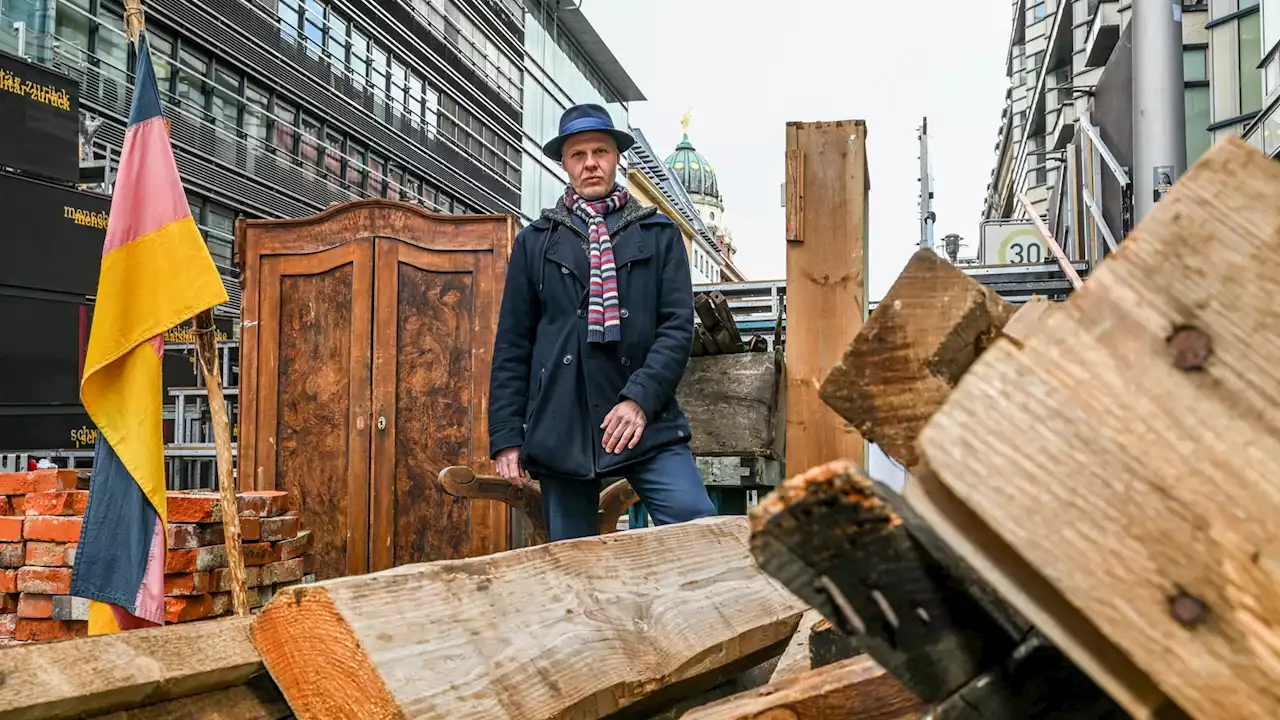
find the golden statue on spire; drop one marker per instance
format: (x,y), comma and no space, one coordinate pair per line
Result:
(684,121)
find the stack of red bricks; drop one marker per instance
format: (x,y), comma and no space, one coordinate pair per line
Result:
(197,583)
(41,514)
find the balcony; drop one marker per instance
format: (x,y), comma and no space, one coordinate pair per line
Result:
(1058,50)
(1104,33)
(1065,128)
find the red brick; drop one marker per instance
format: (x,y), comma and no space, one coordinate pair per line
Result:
(53,529)
(185,536)
(18,505)
(6,507)
(67,502)
(279,528)
(296,547)
(196,560)
(184,609)
(9,602)
(12,555)
(11,528)
(250,528)
(37,481)
(8,623)
(28,630)
(8,581)
(44,581)
(262,503)
(284,571)
(35,606)
(194,507)
(220,579)
(178,585)
(259,553)
(49,554)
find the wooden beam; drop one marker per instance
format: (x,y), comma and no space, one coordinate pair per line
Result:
(105,673)
(854,688)
(826,281)
(258,699)
(555,630)
(851,549)
(730,401)
(923,335)
(1128,451)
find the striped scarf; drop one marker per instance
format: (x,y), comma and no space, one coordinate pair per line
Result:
(603,323)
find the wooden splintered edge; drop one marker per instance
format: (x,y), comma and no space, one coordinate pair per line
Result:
(92,676)
(854,688)
(858,555)
(900,368)
(311,647)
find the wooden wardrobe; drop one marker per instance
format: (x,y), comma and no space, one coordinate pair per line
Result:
(367,332)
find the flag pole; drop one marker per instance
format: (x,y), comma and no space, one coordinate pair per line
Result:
(207,356)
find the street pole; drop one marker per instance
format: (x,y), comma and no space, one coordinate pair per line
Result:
(926,190)
(1159,115)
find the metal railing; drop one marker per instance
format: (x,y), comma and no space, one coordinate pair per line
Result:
(1093,155)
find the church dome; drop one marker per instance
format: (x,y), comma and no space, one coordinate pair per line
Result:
(693,170)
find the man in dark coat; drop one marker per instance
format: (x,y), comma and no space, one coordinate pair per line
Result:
(593,336)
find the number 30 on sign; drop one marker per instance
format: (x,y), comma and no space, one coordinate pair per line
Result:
(1013,243)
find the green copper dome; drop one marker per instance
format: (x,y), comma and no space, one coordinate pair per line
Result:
(693,170)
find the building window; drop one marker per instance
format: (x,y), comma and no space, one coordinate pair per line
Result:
(1195,64)
(1037,10)
(1198,110)
(1249,28)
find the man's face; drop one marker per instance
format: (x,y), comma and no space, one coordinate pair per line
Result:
(591,159)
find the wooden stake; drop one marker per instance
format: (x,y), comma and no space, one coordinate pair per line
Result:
(827,186)
(207,354)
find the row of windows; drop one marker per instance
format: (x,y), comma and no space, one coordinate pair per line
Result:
(705,265)
(241,109)
(398,89)
(448,20)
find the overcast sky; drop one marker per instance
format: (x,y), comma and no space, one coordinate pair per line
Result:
(746,73)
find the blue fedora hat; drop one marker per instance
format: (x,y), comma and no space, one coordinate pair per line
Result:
(586,118)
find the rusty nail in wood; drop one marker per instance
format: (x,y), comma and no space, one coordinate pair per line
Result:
(843,605)
(1187,609)
(1191,347)
(886,608)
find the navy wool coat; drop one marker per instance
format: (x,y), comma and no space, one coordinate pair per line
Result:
(549,389)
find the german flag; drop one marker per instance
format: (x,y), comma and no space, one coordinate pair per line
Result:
(156,274)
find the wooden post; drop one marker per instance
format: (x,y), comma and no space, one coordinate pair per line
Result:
(207,354)
(827,185)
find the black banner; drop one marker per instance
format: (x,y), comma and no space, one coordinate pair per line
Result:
(53,236)
(39,120)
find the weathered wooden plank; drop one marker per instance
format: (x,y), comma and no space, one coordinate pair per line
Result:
(851,549)
(258,699)
(1128,450)
(826,281)
(854,688)
(730,401)
(795,660)
(97,675)
(923,335)
(549,631)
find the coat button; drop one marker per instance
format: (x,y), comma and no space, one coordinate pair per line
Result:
(568,359)
(564,270)
(626,362)
(624,312)
(582,313)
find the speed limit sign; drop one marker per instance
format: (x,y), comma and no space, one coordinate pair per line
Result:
(1013,242)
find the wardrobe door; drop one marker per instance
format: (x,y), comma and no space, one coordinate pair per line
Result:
(435,313)
(311,396)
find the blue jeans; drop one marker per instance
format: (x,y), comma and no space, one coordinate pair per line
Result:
(668,484)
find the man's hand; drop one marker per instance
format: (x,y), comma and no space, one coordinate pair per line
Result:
(623,427)
(508,462)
